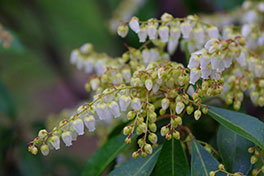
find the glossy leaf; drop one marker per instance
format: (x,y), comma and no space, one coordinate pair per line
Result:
(245,125)
(139,166)
(172,160)
(233,150)
(202,162)
(104,156)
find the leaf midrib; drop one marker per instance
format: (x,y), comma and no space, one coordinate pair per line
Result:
(200,156)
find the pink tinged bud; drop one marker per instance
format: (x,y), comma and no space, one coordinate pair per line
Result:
(55,142)
(44,149)
(142,35)
(74,56)
(114,109)
(90,123)
(186,30)
(164,33)
(134,24)
(136,104)
(124,102)
(195,76)
(78,126)
(67,138)
(152,32)
(148,84)
(179,107)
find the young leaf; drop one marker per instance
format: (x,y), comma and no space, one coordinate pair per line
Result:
(139,166)
(242,124)
(104,156)
(172,160)
(202,162)
(233,150)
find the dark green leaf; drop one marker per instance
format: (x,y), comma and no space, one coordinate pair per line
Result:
(244,125)
(6,103)
(202,162)
(228,4)
(172,160)
(139,166)
(104,156)
(234,151)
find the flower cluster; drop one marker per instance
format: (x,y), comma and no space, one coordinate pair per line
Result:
(257,156)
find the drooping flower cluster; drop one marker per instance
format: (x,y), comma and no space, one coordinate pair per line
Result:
(257,158)
(145,86)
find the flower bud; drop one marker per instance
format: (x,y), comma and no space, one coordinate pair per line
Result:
(148,84)
(162,112)
(197,114)
(114,109)
(34,150)
(131,115)
(136,104)
(44,149)
(144,154)
(168,136)
(212,173)
(179,107)
(153,127)
(189,110)
(176,135)
(164,130)
(143,126)
(148,149)
(152,117)
(55,142)
(42,133)
(78,126)
(124,102)
(128,140)
(122,30)
(135,155)
(152,137)
(139,130)
(165,102)
(127,130)
(164,33)
(140,142)
(253,159)
(221,167)
(205,110)
(251,150)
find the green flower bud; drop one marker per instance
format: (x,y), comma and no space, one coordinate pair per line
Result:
(254,172)
(195,95)
(237,105)
(140,142)
(197,114)
(127,130)
(148,84)
(251,150)
(37,141)
(176,135)
(122,30)
(148,148)
(205,110)
(144,154)
(221,167)
(165,102)
(168,137)
(253,159)
(42,133)
(128,140)
(139,130)
(152,137)
(164,130)
(34,150)
(135,155)
(205,85)
(212,173)
(162,112)
(131,115)
(237,174)
(152,117)
(153,127)
(190,109)
(144,127)
(44,149)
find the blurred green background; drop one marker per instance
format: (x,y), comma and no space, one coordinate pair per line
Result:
(37,80)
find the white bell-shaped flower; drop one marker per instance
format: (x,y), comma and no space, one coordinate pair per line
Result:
(228,61)
(194,60)
(134,24)
(86,48)
(126,74)
(242,59)
(199,36)
(172,46)
(88,66)
(136,104)
(67,138)
(165,102)
(261,6)
(152,31)
(217,63)
(78,126)
(95,84)
(246,29)
(142,35)
(186,30)
(146,56)
(155,88)
(44,149)
(206,72)
(89,122)
(164,33)
(204,61)
(195,75)
(213,32)
(74,56)
(175,33)
(124,102)
(114,109)
(154,55)
(55,142)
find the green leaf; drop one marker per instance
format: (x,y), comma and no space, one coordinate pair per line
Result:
(104,156)
(172,160)
(202,162)
(6,103)
(233,150)
(245,125)
(139,166)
